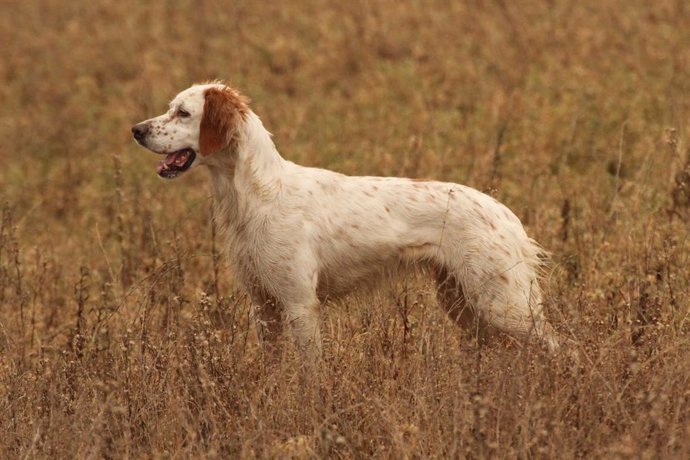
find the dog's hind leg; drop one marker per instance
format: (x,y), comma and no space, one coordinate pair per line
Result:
(512,303)
(452,299)
(500,303)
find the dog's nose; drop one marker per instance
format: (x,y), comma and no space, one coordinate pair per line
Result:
(140,130)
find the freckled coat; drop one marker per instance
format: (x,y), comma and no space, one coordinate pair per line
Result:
(297,235)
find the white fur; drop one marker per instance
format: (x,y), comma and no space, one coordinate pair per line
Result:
(170,132)
(297,236)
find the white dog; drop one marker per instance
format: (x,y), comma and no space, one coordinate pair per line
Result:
(297,236)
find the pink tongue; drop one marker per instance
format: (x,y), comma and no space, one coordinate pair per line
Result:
(170,158)
(177,159)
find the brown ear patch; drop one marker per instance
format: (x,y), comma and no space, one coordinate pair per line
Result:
(224,108)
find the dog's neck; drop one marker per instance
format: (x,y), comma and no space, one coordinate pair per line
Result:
(245,174)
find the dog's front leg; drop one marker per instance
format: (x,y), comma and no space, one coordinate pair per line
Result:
(303,319)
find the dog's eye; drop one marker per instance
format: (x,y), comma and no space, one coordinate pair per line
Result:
(183,113)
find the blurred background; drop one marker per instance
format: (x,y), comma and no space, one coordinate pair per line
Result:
(541,102)
(573,113)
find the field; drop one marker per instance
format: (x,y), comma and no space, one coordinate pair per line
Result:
(123,334)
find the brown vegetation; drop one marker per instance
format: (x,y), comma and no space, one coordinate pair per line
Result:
(122,333)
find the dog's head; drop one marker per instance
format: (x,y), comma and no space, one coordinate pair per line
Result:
(201,121)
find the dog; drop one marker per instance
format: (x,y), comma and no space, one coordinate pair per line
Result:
(297,236)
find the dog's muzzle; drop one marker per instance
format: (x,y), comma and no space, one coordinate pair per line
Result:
(140,130)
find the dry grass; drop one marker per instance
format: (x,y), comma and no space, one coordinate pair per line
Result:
(121,332)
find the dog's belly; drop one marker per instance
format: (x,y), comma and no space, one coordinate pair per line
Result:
(335,282)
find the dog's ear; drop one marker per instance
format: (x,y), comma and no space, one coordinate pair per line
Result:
(223,110)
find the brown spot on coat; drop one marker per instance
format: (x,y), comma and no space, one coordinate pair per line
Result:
(486,220)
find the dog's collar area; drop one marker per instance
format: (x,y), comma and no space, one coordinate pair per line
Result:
(176,163)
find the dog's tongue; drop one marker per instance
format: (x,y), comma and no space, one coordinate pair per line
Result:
(173,159)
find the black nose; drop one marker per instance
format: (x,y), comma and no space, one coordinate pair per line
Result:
(140,130)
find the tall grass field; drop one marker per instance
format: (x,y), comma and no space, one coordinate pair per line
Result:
(123,333)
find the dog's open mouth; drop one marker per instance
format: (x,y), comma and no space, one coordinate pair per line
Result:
(176,163)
